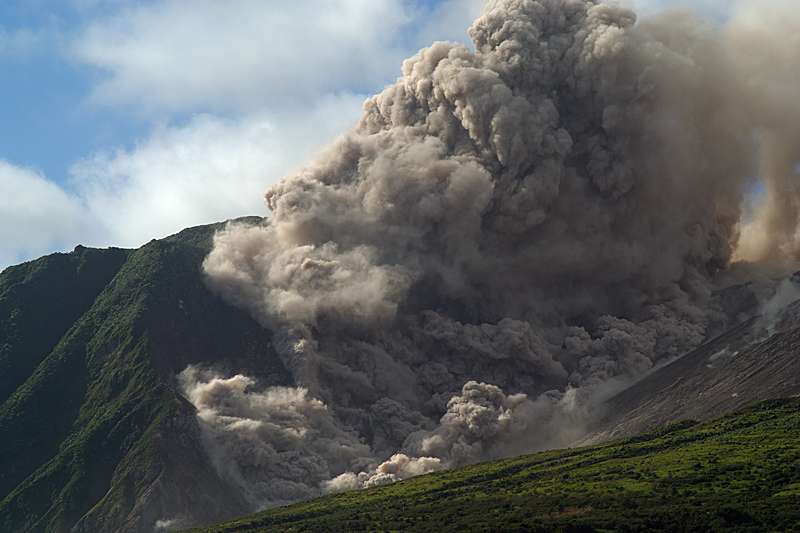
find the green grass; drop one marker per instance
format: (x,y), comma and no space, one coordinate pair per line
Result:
(740,472)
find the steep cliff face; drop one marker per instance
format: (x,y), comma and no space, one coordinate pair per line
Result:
(92,435)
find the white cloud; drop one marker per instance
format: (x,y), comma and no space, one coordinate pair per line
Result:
(240,54)
(209,170)
(36,216)
(19,42)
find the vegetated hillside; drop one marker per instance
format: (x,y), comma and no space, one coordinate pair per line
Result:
(740,472)
(92,436)
(39,302)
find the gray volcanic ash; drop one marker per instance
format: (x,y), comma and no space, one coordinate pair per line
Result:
(507,236)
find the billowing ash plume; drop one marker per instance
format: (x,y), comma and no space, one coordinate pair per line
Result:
(507,235)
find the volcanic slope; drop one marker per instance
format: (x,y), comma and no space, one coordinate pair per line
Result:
(741,367)
(740,472)
(92,436)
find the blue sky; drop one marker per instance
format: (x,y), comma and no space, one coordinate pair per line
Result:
(123,121)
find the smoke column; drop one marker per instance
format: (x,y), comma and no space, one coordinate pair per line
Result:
(508,235)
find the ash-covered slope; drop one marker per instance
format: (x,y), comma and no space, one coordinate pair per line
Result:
(750,363)
(92,436)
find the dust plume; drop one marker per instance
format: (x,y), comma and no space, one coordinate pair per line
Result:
(780,312)
(506,237)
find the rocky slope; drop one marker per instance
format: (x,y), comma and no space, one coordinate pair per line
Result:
(738,368)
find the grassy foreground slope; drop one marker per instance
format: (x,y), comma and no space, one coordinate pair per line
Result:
(740,472)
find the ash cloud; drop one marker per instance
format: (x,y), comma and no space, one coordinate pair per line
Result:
(507,236)
(279,444)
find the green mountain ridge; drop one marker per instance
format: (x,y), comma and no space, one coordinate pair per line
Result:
(92,435)
(740,472)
